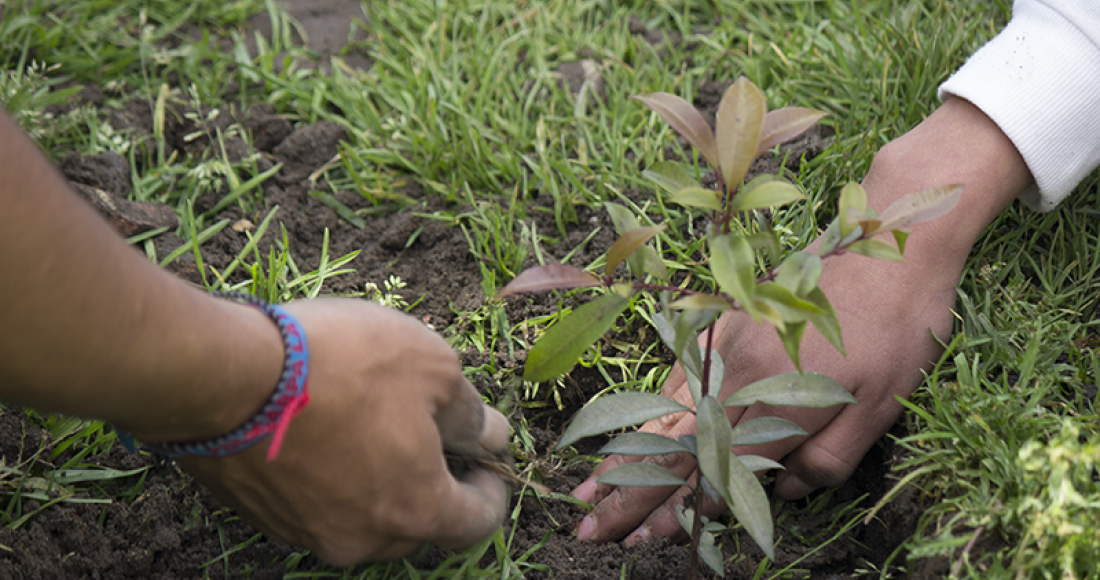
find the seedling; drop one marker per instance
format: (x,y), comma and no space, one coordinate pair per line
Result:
(787,297)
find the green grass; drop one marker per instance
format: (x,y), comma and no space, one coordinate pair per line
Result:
(463,101)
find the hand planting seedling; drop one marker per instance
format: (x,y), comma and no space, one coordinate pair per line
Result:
(787,297)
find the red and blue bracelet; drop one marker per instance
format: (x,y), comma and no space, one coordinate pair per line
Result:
(289,398)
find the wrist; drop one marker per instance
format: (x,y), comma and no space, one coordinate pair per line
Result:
(228,366)
(958,143)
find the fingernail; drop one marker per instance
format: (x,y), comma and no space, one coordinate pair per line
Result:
(586,529)
(640,535)
(791,488)
(586,491)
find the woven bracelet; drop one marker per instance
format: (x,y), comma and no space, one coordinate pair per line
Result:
(289,398)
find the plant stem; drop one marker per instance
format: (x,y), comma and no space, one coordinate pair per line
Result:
(696,527)
(704,381)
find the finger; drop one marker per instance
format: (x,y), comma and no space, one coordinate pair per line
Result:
(829,457)
(461,420)
(663,521)
(626,507)
(474,508)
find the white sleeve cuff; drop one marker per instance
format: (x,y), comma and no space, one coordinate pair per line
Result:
(1039,80)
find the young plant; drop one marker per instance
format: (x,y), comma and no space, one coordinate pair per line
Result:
(787,297)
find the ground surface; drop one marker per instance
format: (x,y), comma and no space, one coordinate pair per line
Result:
(174,529)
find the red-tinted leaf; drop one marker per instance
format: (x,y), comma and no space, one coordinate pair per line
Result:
(785,124)
(737,129)
(550,277)
(685,120)
(628,243)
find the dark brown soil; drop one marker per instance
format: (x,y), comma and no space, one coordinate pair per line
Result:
(175,529)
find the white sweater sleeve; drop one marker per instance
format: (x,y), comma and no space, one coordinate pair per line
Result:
(1039,80)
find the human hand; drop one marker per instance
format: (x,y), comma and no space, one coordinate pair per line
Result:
(889,312)
(361,474)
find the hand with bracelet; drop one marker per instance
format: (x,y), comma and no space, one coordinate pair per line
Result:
(91,328)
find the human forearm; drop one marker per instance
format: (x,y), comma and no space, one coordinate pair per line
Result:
(90,327)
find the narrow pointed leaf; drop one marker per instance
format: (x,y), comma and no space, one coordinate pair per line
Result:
(685,120)
(628,243)
(782,125)
(687,349)
(714,378)
(671,176)
(617,411)
(791,307)
(770,194)
(697,197)
(737,128)
(827,324)
(920,207)
(800,273)
(733,264)
(876,249)
(756,463)
(792,341)
(810,390)
(641,443)
(549,277)
(764,430)
(558,350)
(750,506)
(641,474)
(713,441)
(622,218)
(701,302)
(769,313)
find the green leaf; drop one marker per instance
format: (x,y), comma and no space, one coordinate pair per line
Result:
(623,219)
(628,243)
(733,265)
(686,120)
(697,197)
(750,506)
(701,302)
(827,324)
(688,325)
(558,350)
(852,197)
(640,443)
(713,441)
(737,128)
(792,339)
(695,380)
(900,237)
(768,241)
(800,273)
(756,463)
(671,176)
(764,430)
(876,249)
(791,307)
(647,261)
(710,554)
(641,474)
(770,194)
(618,411)
(549,277)
(785,124)
(811,390)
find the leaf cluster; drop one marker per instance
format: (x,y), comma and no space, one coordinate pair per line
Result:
(788,298)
